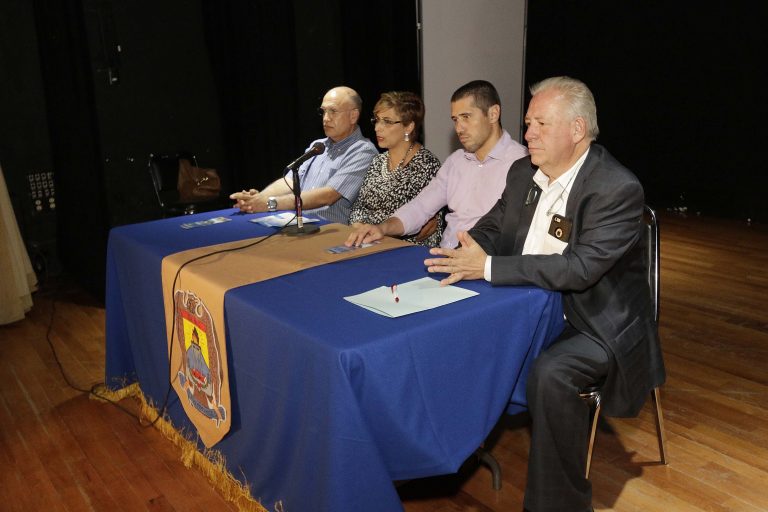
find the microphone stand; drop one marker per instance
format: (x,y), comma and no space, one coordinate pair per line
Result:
(299,229)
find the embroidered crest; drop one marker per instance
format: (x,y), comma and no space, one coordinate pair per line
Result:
(201,370)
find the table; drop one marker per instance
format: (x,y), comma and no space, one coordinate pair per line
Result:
(330,402)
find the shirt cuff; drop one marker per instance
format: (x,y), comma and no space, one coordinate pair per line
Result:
(487,269)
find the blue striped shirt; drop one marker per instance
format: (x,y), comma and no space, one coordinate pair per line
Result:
(342,167)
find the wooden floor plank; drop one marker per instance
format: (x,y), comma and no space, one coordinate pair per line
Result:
(66,452)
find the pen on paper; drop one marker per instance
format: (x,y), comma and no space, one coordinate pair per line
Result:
(394,292)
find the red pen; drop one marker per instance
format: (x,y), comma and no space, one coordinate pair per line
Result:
(394,292)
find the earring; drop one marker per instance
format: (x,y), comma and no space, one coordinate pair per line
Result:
(407,138)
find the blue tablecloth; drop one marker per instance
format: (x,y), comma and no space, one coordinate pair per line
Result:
(331,402)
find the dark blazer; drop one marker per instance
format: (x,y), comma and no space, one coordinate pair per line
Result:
(601,273)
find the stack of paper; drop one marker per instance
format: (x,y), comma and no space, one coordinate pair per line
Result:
(412,297)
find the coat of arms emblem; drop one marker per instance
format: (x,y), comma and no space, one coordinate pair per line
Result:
(201,370)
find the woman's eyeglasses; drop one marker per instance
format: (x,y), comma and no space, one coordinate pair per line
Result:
(388,122)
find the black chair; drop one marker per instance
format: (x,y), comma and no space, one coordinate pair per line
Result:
(592,394)
(164,170)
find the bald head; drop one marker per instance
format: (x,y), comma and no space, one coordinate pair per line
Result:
(346,94)
(341,106)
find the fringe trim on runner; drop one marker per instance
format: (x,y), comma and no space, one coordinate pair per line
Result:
(210,462)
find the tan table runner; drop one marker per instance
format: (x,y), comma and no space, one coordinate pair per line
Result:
(199,357)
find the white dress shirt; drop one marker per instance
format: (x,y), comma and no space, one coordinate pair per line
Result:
(554,197)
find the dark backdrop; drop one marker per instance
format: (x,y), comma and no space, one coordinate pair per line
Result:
(679,90)
(274,61)
(90,87)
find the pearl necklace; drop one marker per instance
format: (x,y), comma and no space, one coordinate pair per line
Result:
(400,165)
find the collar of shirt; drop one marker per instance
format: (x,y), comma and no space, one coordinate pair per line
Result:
(564,182)
(497,151)
(335,148)
(550,202)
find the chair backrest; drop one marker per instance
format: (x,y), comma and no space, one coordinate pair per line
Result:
(652,256)
(164,170)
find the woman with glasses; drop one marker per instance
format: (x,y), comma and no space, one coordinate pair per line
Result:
(398,175)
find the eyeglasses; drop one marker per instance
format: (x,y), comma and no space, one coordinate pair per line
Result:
(332,112)
(388,122)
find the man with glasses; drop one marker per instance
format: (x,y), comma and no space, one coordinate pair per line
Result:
(329,181)
(469,182)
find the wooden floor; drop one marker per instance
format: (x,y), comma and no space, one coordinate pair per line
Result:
(61,451)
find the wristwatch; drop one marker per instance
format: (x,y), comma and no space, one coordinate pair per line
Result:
(271,204)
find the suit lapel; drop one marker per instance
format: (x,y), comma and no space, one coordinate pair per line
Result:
(524,223)
(574,196)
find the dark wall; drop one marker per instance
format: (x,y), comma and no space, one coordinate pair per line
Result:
(238,83)
(24,144)
(678,90)
(153,92)
(274,61)
(91,87)
(81,213)
(120,80)
(24,129)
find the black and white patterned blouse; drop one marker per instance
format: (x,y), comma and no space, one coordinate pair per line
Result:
(384,191)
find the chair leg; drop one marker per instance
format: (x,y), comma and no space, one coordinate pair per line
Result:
(593,398)
(660,432)
(592,432)
(485,457)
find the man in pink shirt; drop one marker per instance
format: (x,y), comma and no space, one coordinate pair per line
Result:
(469,182)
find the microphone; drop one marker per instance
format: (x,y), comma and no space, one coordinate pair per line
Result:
(318,148)
(533,195)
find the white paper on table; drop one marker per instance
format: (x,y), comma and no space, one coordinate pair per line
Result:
(279,220)
(419,295)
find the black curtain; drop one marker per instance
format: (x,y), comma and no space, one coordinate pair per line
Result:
(269,64)
(81,206)
(251,47)
(274,61)
(678,91)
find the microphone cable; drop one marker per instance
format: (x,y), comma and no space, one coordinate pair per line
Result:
(173,376)
(92,391)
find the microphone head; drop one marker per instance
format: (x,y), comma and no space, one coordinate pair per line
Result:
(318,148)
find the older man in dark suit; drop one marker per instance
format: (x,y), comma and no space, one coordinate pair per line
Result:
(570,220)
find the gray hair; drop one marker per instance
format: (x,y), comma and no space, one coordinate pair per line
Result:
(581,102)
(356,100)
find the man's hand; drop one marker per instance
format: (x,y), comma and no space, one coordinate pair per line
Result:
(249,201)
(245,193)
(363,234)
(466,262)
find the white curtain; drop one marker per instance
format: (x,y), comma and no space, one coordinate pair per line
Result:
(17,277)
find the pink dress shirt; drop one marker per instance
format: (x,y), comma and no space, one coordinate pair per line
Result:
(466,185)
